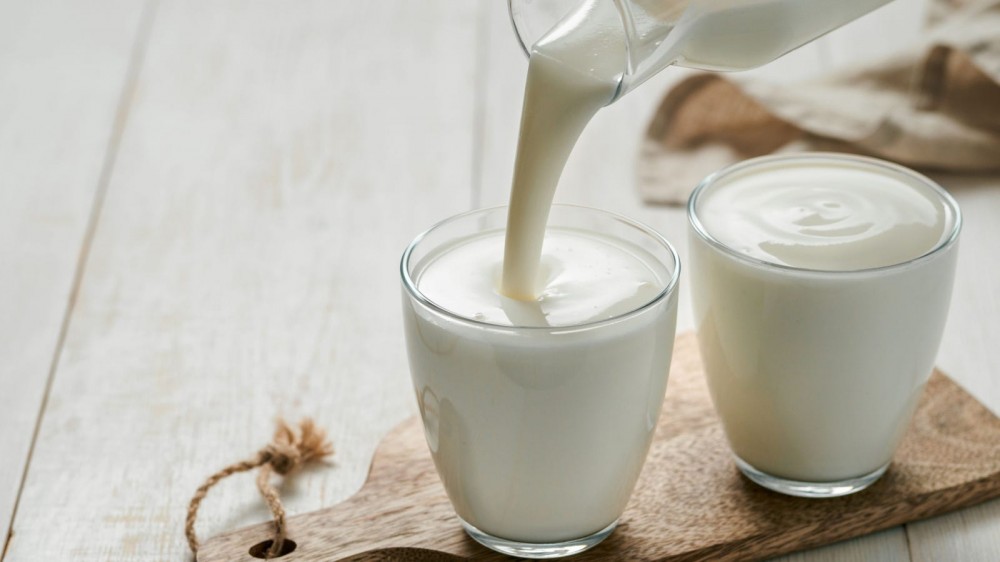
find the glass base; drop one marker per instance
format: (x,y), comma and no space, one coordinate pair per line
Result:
(809,489)
(538,550)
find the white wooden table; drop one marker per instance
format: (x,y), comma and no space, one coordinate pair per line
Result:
(202,205)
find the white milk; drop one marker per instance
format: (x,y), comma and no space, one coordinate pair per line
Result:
(816,362)
(585,278)
(573,72)
(539,432)
(743,34)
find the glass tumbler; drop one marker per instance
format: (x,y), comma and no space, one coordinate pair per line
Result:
(539,433)
(815,373)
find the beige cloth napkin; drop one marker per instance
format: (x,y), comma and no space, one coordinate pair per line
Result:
(934,106)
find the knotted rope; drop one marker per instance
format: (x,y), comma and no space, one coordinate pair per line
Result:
(289,450)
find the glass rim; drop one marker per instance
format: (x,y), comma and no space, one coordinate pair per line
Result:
(947,240)
(419,296)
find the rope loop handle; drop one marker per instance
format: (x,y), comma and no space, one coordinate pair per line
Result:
(289,450)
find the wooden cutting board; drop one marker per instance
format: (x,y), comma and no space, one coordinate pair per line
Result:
(691,503)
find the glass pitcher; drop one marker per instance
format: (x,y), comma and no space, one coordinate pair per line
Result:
(705,34)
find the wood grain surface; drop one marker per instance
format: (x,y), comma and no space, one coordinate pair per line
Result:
(690,503)
(264,165)
(55,153)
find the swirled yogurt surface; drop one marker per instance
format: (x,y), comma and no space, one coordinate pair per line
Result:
(824,214)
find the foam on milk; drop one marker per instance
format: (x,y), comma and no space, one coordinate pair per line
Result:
(585,277)
(828,215)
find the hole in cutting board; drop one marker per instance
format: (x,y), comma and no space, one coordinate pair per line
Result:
(259,550)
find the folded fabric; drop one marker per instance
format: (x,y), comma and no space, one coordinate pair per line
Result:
(934,106)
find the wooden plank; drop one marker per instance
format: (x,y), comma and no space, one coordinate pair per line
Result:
(63,67)
(970,535)
(886,546)
(277,159)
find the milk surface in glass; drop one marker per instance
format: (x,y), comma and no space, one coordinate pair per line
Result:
(820,286)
